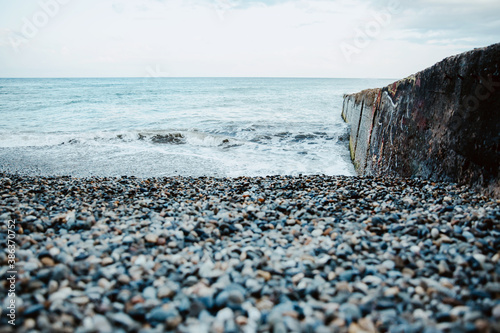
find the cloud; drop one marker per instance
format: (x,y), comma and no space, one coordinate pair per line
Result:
(245,37)
(451,20)
(118,7)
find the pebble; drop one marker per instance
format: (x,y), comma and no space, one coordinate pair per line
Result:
(297,278)
(389,264)
(264,274)
(496,312)
(151,238)
(29,324)
(101,324)
(123,319)
(372,279)
(165,292)
(351,312)
(107,261)
(149,293)
(391,292)
(53,286)
(47,261)
(277,253)
(124,279)
(82,300)
(469,236)
(367,325)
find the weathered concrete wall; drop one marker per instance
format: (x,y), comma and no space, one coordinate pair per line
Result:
(442,123)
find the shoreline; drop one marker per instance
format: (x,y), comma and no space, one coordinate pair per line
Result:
(252,254)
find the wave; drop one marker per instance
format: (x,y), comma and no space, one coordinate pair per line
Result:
(193,138)
(300,137)
(225,138)
(74,102)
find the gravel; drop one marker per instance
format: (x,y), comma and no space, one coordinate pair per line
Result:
(261,254)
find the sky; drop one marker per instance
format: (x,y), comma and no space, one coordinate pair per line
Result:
(239,38)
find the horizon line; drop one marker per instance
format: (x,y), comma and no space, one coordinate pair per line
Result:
(196,77)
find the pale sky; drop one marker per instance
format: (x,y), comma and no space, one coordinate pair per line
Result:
(224,38)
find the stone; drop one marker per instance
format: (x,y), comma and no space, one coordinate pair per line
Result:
(169,316)
(496,312)
(469,236)
(47,261)
(149,292)
(389,264)
(82,300)
(123,319)
(391,292)
(53,286)
(296,278)
(434,233)
(107,261)
(351,312)
(151,238)
(236,297)
(101,324)
(165,292)
(366,325)
(372,279)
(61,294)
(264,274)
(29,324)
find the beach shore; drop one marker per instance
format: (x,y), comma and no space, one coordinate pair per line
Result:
(263,254)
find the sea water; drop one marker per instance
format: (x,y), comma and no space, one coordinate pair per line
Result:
(223,127)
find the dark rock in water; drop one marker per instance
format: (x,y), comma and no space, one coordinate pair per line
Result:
(170,138)
(441,123)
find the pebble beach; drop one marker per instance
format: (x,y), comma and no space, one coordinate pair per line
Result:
(261,254)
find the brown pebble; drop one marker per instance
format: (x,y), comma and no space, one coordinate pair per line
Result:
(137,299)
(482,326)
(264,274)
(367,325)
(124,279)
(47,261)
(107,261)
(241,320)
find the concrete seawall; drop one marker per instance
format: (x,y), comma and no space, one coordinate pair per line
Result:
(442,123)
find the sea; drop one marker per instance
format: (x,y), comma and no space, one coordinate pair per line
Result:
(157,127)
